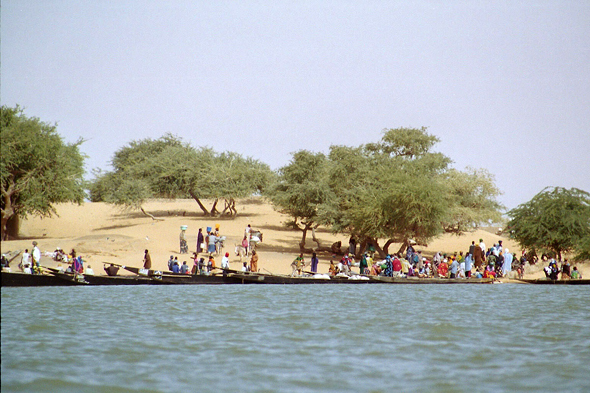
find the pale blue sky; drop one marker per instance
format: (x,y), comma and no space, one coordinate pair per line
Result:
(505,85)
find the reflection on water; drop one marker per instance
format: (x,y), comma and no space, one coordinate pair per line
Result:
(373,338)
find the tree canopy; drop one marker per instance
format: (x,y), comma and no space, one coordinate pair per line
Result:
(556,220)
(300,189)
(170,168)
(395,190)
(37,168)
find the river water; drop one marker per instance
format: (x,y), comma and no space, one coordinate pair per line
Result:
(296,338)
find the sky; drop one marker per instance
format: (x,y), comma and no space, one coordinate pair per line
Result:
(504,85)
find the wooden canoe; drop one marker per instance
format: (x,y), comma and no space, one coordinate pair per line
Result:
(546,281)
(432,280)
(258,278)
(18,279)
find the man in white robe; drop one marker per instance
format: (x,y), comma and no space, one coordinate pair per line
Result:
(507,266)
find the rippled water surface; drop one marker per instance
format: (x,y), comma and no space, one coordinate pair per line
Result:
(296,338)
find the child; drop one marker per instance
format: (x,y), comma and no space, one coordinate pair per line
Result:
(576,273)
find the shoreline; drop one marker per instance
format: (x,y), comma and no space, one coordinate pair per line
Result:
(102,233)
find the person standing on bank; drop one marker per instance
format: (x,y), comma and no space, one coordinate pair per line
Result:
(25,260)
(147,260)
(182,237)
(314,263)
(254,262)
(225,261)
(212,239)
(200,240)
(36,254)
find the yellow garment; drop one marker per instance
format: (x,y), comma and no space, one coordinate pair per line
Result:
(405,266)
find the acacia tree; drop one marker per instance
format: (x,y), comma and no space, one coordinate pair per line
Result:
(300,188)
(389,190)
(555,220)
(37,168)
(473,200)
(170,168)
(395,190)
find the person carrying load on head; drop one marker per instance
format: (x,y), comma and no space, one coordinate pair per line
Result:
(183,243)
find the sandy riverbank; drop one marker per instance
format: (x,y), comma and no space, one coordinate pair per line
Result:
(102,233)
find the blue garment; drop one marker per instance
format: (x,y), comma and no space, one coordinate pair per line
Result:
(175,268)
(314,264)
(388,267)
(409,253)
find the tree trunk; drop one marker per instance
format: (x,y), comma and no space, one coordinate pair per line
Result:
(6,233)
(4,226)
(403,247)
(13,227)
(302,248)
(377,247)
(387,244)
(150,215)
(362,246)
(232,207)
(315,239)
(9,211)
(303,238)
(226,207)
(203,208)
(214,211)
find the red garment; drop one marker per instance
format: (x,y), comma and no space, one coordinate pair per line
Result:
(489,274)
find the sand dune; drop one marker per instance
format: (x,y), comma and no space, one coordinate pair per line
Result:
(102,233)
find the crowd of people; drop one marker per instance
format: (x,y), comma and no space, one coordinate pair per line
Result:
(211,243)
(552,271)
(477,262)
(30,262)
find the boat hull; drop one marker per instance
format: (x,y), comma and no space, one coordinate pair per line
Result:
(544,281)
(63,279)
(33,280)
(254,278)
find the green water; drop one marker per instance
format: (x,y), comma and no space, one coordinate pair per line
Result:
(297,338)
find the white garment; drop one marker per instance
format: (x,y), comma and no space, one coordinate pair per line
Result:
(26,258)
(507,266)
(462,269)
(36,254)
(482,245)
(225,262)
(89,271)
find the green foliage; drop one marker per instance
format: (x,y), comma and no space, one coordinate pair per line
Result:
(555,220)
(583,249)
(301,187)
(37,168)
(396,189)
(404,142)
(170,168)
(472,200)
(389,189)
